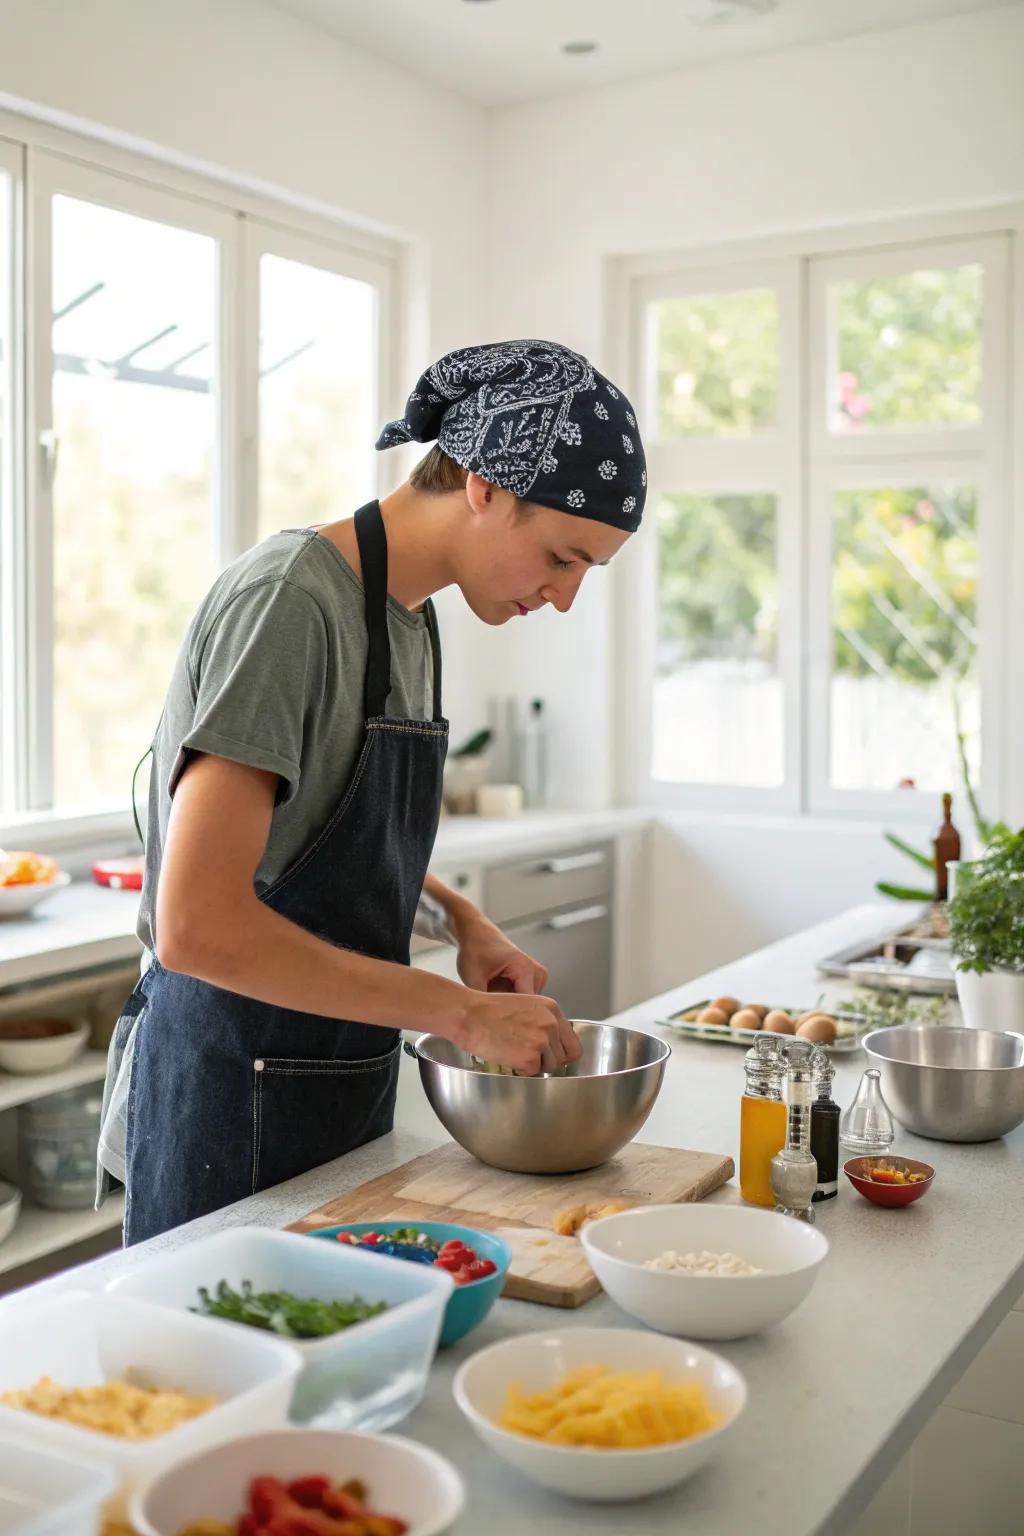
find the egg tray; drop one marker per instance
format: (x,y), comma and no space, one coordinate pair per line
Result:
(846,1043)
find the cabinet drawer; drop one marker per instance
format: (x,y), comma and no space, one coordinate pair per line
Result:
(547,880)
(576,947)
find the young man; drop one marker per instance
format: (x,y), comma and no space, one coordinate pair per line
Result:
(296,790)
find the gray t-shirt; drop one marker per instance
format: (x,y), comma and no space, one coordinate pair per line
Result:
(271,674)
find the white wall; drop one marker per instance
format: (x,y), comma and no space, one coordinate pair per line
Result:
(916,119)
(247,92)
(925,117)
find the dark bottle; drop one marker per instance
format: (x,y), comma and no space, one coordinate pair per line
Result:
(824,1127)
(946,844)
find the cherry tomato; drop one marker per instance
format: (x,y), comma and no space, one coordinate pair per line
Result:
(344,1237)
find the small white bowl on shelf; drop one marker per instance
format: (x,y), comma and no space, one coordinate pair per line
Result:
(42,1494)
(404,1480)
(535,1362)
(705,1306)
(10,1208)
(16,900)
(368,1376)
(80,1339)
(30,1046)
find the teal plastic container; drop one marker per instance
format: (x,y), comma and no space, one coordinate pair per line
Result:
(469,1304)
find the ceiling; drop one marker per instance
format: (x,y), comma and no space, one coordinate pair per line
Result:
(502,51)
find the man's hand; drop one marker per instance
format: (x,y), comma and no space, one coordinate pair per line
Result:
(529,1034)
(489,961)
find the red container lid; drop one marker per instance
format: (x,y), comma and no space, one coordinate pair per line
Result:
(120,874)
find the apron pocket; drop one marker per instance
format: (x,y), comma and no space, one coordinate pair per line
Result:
(306,1112)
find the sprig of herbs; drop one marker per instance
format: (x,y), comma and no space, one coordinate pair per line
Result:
(280,1312)
(881,1010)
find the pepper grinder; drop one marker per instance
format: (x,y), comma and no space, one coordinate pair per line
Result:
(794,1171)
(824,1126)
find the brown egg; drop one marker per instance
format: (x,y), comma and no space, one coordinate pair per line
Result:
(712,1016)
(728,1005)
(820,1027)
(779,1023)
(746,1018)
(761,1009)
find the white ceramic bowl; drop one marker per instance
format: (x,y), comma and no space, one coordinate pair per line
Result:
(366,1377)
(46,1495)
(81,1339)
(48,1053)
(16,900)
(536,1361)
(402,1479)
(705,1306)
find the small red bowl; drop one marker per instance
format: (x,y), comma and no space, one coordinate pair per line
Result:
(889,1194)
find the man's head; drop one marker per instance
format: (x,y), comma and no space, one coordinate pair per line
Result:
(539,458)
(510,557)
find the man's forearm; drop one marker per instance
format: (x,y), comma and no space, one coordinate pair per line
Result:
(260,954)
(459,913)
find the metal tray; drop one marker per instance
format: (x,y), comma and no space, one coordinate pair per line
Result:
(894,962)
(844,1045)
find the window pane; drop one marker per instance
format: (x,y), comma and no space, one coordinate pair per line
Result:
(717,362)
(134,412)
(908,350)
(717,690)
(317,394)
(904,616)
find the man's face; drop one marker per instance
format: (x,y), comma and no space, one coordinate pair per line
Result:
(513,561)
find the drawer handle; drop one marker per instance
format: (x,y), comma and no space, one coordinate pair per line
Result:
(572,862)
(573,919)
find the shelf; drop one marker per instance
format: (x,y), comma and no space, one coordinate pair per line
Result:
(40,1232)
(90,1067)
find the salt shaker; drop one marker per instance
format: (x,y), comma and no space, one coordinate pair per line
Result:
(794,1171)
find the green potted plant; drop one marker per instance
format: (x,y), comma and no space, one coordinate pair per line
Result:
(986,920)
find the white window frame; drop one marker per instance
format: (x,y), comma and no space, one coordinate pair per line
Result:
(13,686)
(45,158)
(631,281)
(765,463)
(898,458)
(262,238)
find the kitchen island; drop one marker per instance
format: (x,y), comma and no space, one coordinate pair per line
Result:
(838,1392)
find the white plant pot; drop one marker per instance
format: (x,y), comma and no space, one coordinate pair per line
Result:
(992,1000)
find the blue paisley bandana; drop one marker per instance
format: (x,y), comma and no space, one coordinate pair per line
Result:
(537,420)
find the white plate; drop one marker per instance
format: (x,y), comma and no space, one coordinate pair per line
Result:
(537,1360)
(402,1479)
(16,900)
(705,1306)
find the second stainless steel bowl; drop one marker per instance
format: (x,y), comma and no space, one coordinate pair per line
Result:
(951,1084)
(575,1119)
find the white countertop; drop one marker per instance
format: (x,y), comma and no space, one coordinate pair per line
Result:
(838,1391)
(90,925)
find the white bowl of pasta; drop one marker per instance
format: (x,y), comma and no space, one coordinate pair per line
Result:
(608,1414)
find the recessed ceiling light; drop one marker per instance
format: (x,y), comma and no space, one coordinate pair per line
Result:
(580,46)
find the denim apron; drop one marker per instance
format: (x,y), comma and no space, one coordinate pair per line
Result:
(228,1095)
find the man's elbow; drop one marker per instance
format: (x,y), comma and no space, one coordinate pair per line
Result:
(194,945)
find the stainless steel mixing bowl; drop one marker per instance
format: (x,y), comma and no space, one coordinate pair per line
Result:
(576,1118)
(951,1084)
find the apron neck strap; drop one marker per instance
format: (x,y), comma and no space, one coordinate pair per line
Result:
(373,557)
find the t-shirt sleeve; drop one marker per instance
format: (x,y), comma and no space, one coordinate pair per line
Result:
(258,672)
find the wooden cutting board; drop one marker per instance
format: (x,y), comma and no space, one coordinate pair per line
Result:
(449,1184)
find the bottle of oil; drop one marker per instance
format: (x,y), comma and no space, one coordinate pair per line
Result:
(946,844)
(762,1119)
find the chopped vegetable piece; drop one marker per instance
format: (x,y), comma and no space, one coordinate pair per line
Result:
(280,1312)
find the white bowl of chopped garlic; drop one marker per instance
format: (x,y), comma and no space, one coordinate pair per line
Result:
(705,1271)
(608,1414)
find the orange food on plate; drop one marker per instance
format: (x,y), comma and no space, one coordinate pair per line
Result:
(20,867)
